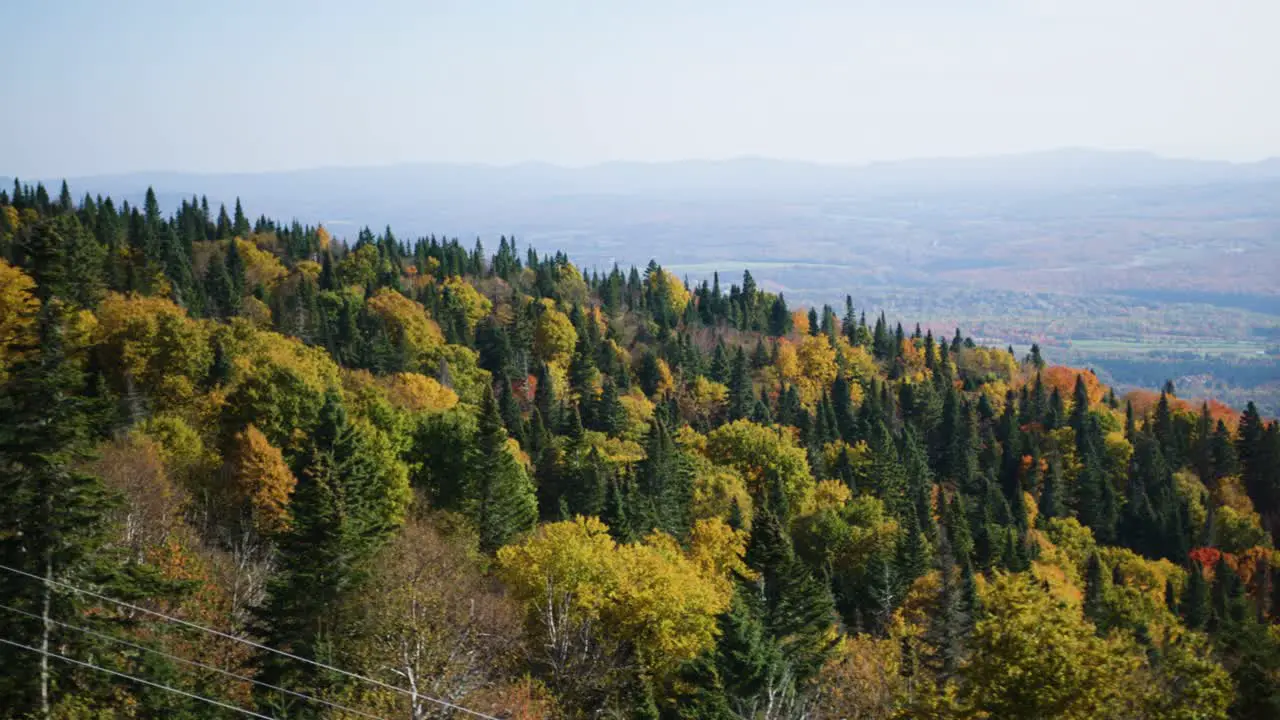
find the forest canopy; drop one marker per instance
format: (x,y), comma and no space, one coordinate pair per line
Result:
(439,477)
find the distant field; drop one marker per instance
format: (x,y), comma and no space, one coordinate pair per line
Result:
(1169,345)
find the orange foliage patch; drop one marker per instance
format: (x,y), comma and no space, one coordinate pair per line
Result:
(1219,410)
(1208,557)
(1063,378)
(1144,403)
(800,321)
(526,388)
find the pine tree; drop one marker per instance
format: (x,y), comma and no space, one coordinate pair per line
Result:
(760,355)
(544,399)
(798,608)
(610,416)
(350,497)
(1195,606)
(241,224)
(779,317)
(500,497)
(55,516)
(956,521)
(1052,503)
(912,559)
(719,370)
(1094,604)
(947,630)
(1222,454)
(746,657)
(509,409)
(1097,505)
(589,495)
(664,484)
(235,268)
(221,297)
(741,393)
(1079,407)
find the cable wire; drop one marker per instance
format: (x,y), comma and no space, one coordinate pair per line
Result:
(136,679)
(282,653)
(195,663)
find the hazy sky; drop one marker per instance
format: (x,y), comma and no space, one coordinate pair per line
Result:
(96,87)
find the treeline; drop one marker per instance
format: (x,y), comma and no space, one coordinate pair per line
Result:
(497,481)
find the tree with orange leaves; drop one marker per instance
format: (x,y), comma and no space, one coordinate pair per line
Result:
(261,482)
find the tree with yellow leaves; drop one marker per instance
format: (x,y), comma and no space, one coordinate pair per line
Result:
(18,307)
(474,306)
(409,327)
(1037,657)
(261,482)
(589,598)
(150,347)
(553,336)
(769,459)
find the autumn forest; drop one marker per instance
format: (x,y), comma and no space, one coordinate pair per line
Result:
(252,469)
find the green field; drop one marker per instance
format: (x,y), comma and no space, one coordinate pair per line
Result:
(1206,346)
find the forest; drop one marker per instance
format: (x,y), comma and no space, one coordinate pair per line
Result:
(250,469)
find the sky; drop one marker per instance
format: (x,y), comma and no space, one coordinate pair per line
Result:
(247,85)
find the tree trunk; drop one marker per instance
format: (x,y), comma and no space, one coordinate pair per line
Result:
(47,625)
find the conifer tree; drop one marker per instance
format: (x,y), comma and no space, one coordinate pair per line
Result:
(1096,504)
(1094,604)
(746,657)
(241,224)
(509,409)
(350,496)
(54,516)
(719,370)
(610,416)
(798,609)
(779,317)
(741,393)
(664,484)
(500,497)
(1052,504)
(1195,605)
(544,399)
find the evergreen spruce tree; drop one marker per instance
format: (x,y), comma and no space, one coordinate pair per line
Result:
(509,409)
(1195,605)
(798,608)
(54,517)
(348,500)
(779,317)
(746,656)
(241,224)
(610,415)
(589,495)
(741,393)
(1052,503)
(500,497)
(544,399)
(1094,603)
(1097,505)
(759,356)
(664,483)
(947,630)
(719,370)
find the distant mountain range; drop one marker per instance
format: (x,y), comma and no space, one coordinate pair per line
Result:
(1071,221)
(1050,171)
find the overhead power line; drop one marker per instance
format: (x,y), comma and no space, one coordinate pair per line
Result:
(158,686)
(193,663)
(228,636)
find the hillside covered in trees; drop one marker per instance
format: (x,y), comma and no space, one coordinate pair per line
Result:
(446,481)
